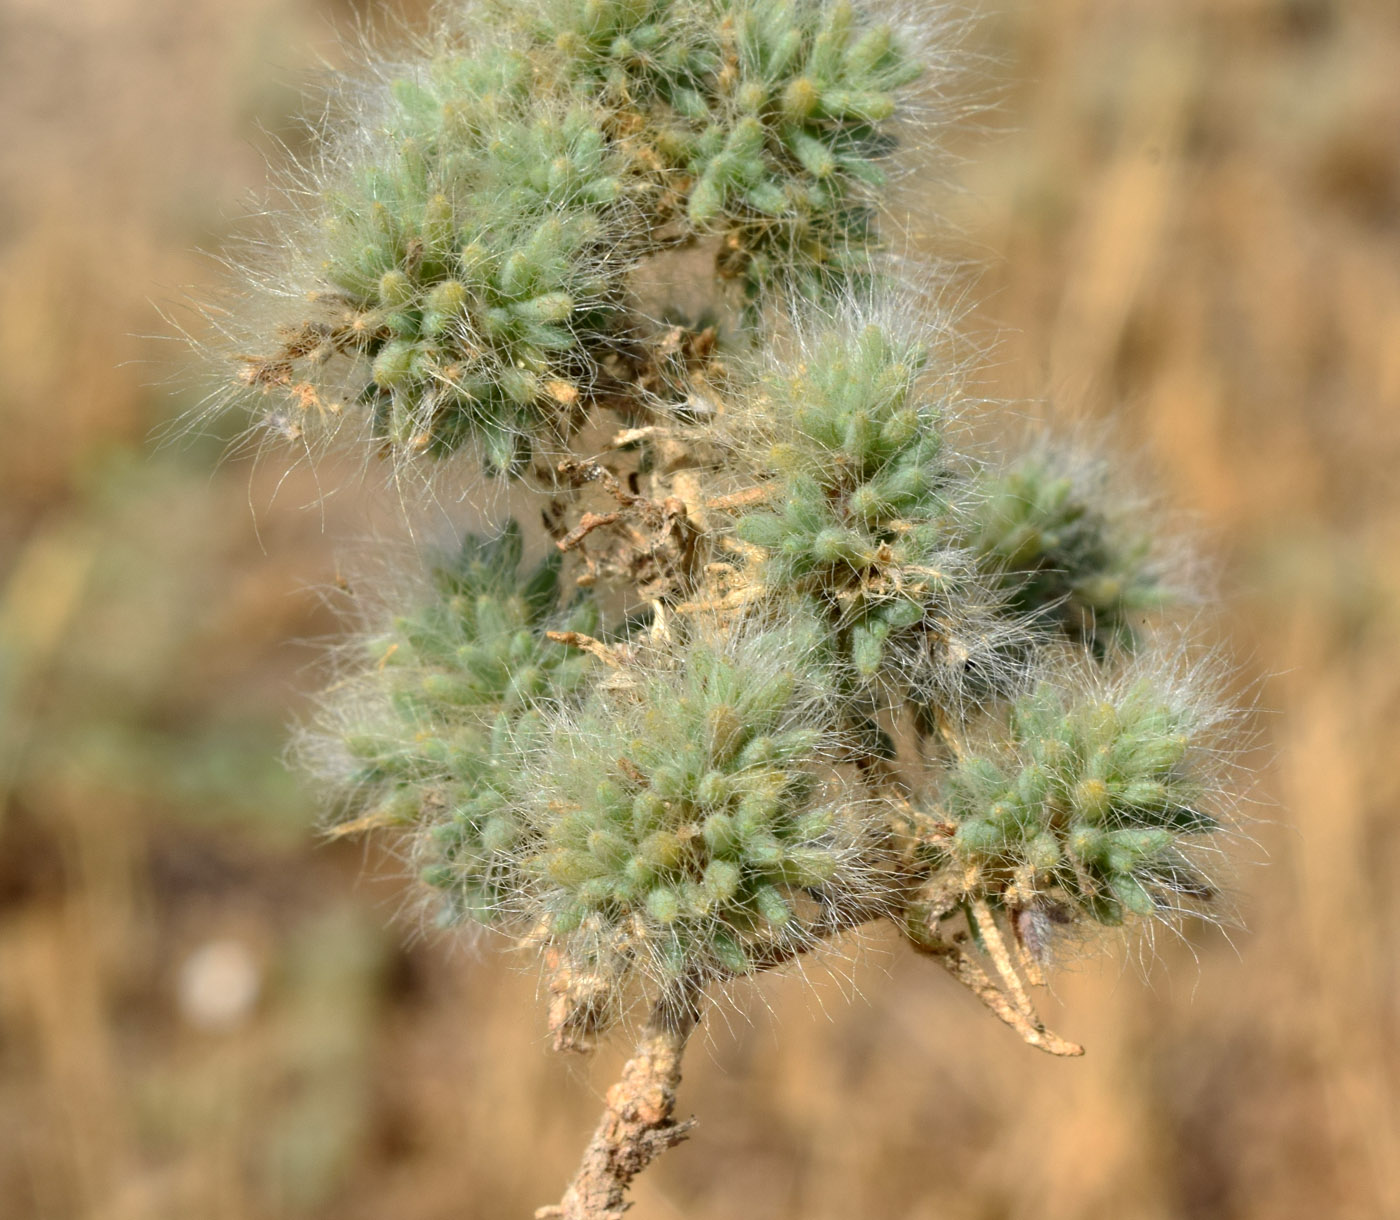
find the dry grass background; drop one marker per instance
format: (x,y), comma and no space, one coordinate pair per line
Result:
(1190,212)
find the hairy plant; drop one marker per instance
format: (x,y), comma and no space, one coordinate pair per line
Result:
(795,662)
(1094,797)
(430,734)
(689,822)
(1063,550)
(859,499)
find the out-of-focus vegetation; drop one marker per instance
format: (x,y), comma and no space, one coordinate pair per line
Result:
(1190,214)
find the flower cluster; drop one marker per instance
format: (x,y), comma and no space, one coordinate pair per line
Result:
(1041,522)
(433,724)
(691,818)
(475,241)
(861,496)
(795,659)
(1096,798)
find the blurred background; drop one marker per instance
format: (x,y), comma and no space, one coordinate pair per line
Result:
(1188,214)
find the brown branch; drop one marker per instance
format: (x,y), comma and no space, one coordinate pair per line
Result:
(974,978)
(637,1124)
(735,600)
(741,499)
(1001,957)
(587,524)
(610,656)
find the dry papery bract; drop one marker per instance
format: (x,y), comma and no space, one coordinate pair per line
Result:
(793,662)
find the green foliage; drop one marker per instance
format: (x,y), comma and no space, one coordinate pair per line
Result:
(1041,528)
(1094,800)
(685,820)
(458,687)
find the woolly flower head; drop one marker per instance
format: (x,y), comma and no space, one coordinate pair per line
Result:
(691,816)
(777,114)
(860,495)
(1103,798)
(427,729)
(638,51)
(1047,524)
(787,149)
(456,268)
(469,259)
